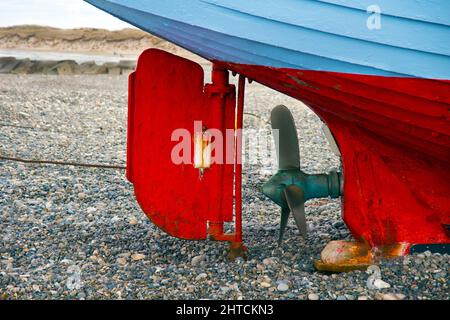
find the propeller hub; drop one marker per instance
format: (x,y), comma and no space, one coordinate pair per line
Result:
(314,185)
(274,188)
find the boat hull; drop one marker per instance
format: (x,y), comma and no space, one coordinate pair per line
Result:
(394,137)
(384,93)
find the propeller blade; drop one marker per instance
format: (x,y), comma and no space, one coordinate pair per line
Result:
(295,198)
(283,223)
(285,136)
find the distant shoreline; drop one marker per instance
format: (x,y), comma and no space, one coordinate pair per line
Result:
(50,50)
(125,44)
(83,40)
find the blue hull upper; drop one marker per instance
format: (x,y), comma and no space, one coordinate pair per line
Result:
(327,35)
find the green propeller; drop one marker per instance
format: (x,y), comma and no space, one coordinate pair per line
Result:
(290,187)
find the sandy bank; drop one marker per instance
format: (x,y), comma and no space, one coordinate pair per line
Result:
(85,40)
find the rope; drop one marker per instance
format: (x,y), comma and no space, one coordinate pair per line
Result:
(256,116)
(75,164)
(63,163)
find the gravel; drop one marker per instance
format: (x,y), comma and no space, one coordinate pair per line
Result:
(78,233)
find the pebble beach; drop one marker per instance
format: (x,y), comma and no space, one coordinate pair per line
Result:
(70,232)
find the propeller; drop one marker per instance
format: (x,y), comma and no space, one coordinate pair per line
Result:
(284,131)
(290,187)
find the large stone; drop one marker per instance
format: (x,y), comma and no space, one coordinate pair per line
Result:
(380,284)
(66,67)
(92,68)
(197,260)
(7,64)
(115,71)
(127,64)
(110,65)
(313,296)
(23,67)
(43,67)
(137,256)
(112,68)
(340,256)
(283,286)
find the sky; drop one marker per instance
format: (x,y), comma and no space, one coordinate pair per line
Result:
(56,13)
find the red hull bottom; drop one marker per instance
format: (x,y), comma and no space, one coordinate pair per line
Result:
(393,134)
(394,137)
